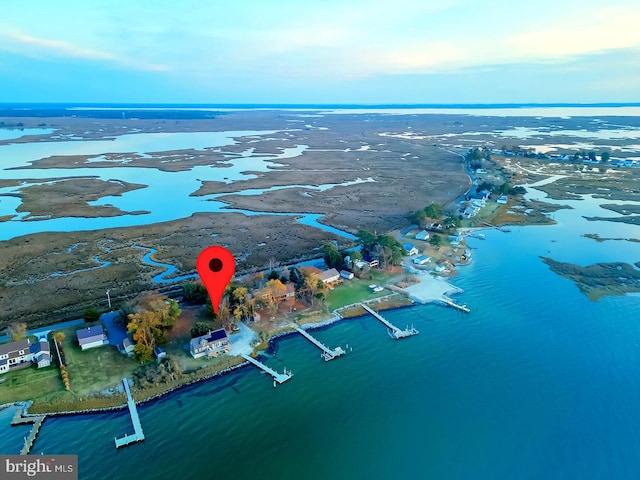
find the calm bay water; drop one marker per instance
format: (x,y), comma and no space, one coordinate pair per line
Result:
(537,382)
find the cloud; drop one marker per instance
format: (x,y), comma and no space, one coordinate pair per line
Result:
(593,31)
(44,48)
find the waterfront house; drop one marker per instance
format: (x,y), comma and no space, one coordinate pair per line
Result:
(502,200)
(346,274)
(41,353)
(422,260)
(91,337)
(468,212)
(211,344)
(330,276)
(15,354)
(411,250)
(423,235)
(289,292)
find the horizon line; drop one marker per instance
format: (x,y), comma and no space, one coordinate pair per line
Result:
(12,105)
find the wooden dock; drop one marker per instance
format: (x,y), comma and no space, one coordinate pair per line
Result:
(327,353)
(394,332)
(36,420)
(447,301)
(278,377)
(502,229)
(137,435)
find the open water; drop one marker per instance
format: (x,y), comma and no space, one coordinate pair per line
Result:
(537,382)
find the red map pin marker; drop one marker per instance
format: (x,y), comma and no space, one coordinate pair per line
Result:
(215,266)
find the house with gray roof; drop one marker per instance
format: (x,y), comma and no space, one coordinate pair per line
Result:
(329,276)
(91,337)
(211,344)
(41,353)
(15,354)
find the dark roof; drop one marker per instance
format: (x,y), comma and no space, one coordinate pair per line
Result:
(216,335)
(89,332)
(14,346)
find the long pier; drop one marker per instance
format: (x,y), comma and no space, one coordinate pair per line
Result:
(138,435)
(447,301)
(327,353)
(36,420)
(278,377)
(502,229)
(394,332)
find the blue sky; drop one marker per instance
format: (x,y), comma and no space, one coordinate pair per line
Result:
(325,51)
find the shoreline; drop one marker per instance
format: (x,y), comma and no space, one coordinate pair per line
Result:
(334,317)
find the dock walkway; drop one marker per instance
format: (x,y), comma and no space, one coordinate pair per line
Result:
(447,301)
(394,332)
(278,377)
(327,353)
(138,435)
(36,420)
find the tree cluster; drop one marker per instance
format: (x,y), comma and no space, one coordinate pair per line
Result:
(154,316)
(153,375)
(384,248)
(430,212)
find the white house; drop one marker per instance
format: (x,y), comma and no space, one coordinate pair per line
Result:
(329,276)
(423,235)
(41,353)
(14,354)
(211,344)
(502,199)
(410,248)
(422,260)
(91,337)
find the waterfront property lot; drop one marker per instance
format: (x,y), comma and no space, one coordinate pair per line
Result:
(95,369)
(356,290)
(29,383)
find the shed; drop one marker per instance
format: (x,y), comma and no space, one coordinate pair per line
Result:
(346,274)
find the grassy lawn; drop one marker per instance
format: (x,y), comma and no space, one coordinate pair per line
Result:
(356,290)
(29,383)
(95,369)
